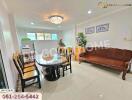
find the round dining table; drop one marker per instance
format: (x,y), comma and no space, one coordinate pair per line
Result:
(51,65)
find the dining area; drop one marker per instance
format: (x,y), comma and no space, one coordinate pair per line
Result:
(53,66)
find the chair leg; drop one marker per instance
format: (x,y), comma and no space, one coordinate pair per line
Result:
(23,85)
(58,72)
(70,69)
(63,71)
(124,74)
(66,67)
(39,82)
(129,69)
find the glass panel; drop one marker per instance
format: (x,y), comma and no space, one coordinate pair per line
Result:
(31,36)
(54,37)
(40,36)
(47,36)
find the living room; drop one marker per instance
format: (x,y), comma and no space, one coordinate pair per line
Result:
(81,51)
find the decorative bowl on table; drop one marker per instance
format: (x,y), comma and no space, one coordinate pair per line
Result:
(47,57)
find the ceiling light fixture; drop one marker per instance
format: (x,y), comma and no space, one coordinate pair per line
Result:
(90,11)
(56,19)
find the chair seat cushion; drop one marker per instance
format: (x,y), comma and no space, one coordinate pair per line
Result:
(66,64)
(29,64)
(29,69)
(117,64)
(30,74)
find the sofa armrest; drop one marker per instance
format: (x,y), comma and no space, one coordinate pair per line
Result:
(82,54)
(128,65)
(130,62)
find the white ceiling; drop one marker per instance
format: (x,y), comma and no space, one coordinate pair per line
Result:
(73,11)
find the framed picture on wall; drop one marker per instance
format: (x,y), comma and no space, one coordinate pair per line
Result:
(90,30)
(102,28)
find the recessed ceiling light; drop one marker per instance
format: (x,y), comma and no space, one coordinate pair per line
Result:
(32,23)
(90,11)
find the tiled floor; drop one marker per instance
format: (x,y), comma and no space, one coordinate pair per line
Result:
(87,82)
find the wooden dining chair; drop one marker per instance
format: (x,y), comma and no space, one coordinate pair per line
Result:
(30,57)
(26,67)
(27,64)
(61,50)
(67,65)
(25,77)
(69,50)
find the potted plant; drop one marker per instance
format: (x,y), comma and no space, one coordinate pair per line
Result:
(81,42)
(82,39)
(61,43)
(25,39)
(61,48)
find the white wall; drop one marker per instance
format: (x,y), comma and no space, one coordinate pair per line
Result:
(22,31)
(45,45)
(7,44)
(69,37)
(40,45)
(120,28)
(14,31)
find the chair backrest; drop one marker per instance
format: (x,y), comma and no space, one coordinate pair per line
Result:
(68,58)
(69,51)
(17,65)
(20,62)
(61,50)
(21,58)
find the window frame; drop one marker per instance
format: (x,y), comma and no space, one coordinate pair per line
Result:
(28,36)
(56,37)
(35,37)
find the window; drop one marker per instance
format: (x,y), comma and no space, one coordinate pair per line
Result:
(40,36)
(47,36)
(54,37)
(31,36)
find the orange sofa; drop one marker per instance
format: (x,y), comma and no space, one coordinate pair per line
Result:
(119,59)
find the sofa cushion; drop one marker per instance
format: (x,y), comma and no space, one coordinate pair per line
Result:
(112,53)
(117,64)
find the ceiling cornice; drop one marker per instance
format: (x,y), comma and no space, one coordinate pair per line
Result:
(104,15)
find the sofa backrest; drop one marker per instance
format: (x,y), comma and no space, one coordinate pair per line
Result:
(113,53)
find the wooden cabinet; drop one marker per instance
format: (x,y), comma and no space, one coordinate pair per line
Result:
(77,51)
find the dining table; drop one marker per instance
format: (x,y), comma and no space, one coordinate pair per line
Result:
(51,64)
